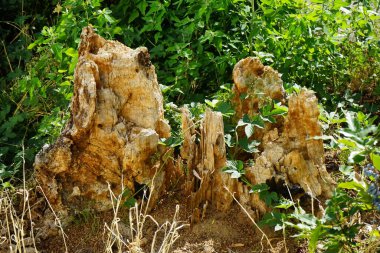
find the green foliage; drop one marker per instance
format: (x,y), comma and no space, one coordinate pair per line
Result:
(360,137)
(264,193)
(336,230)
(194,46)
(324,45)
(235,168)
(239,137)
(129,197)
(191,42)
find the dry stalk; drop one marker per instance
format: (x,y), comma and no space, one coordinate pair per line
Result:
(12,225)
(138,216)
(114,235)
(57,220)
(12,222)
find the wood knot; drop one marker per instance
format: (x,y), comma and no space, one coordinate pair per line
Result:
(144,59)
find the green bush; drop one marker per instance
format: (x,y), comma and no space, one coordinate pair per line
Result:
(324,45)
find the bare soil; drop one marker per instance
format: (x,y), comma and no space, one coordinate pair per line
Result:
(230,232)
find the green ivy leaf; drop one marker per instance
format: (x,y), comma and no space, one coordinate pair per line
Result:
(269,197)
(249,146)
(285,204)
(235,168)
(225,108)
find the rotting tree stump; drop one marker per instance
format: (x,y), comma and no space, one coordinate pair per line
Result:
(111,140)
(290,152)
(112,136)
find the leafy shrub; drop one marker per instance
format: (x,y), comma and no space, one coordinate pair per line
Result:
(324,45)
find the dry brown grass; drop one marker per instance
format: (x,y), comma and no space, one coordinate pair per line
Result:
(164,237)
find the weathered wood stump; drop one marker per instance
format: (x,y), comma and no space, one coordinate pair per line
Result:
(112,136)
(111,141)
(290,151)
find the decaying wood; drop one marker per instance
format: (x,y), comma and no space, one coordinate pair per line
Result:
(116,121)
(295,155)
(254,84)
(290,151)
(206,180)
(117,117)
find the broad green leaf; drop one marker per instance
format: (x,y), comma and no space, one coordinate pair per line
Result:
(352,185)
(212,103)
(375,160)
(142,6)
(361,117)
(133,16)
(279,110)
(118,30)
(347,170)
(235,168)
(35,43)
(130,202)
(109,18)
(249,146)
(260,187)
(258,121)
(348,143)
(71,52)
(269,197)
(306,218)
(35,82)
(225,108)
(57,50)
(6,185)
(65,83)
(356,156)
(350,121)
(273,218)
